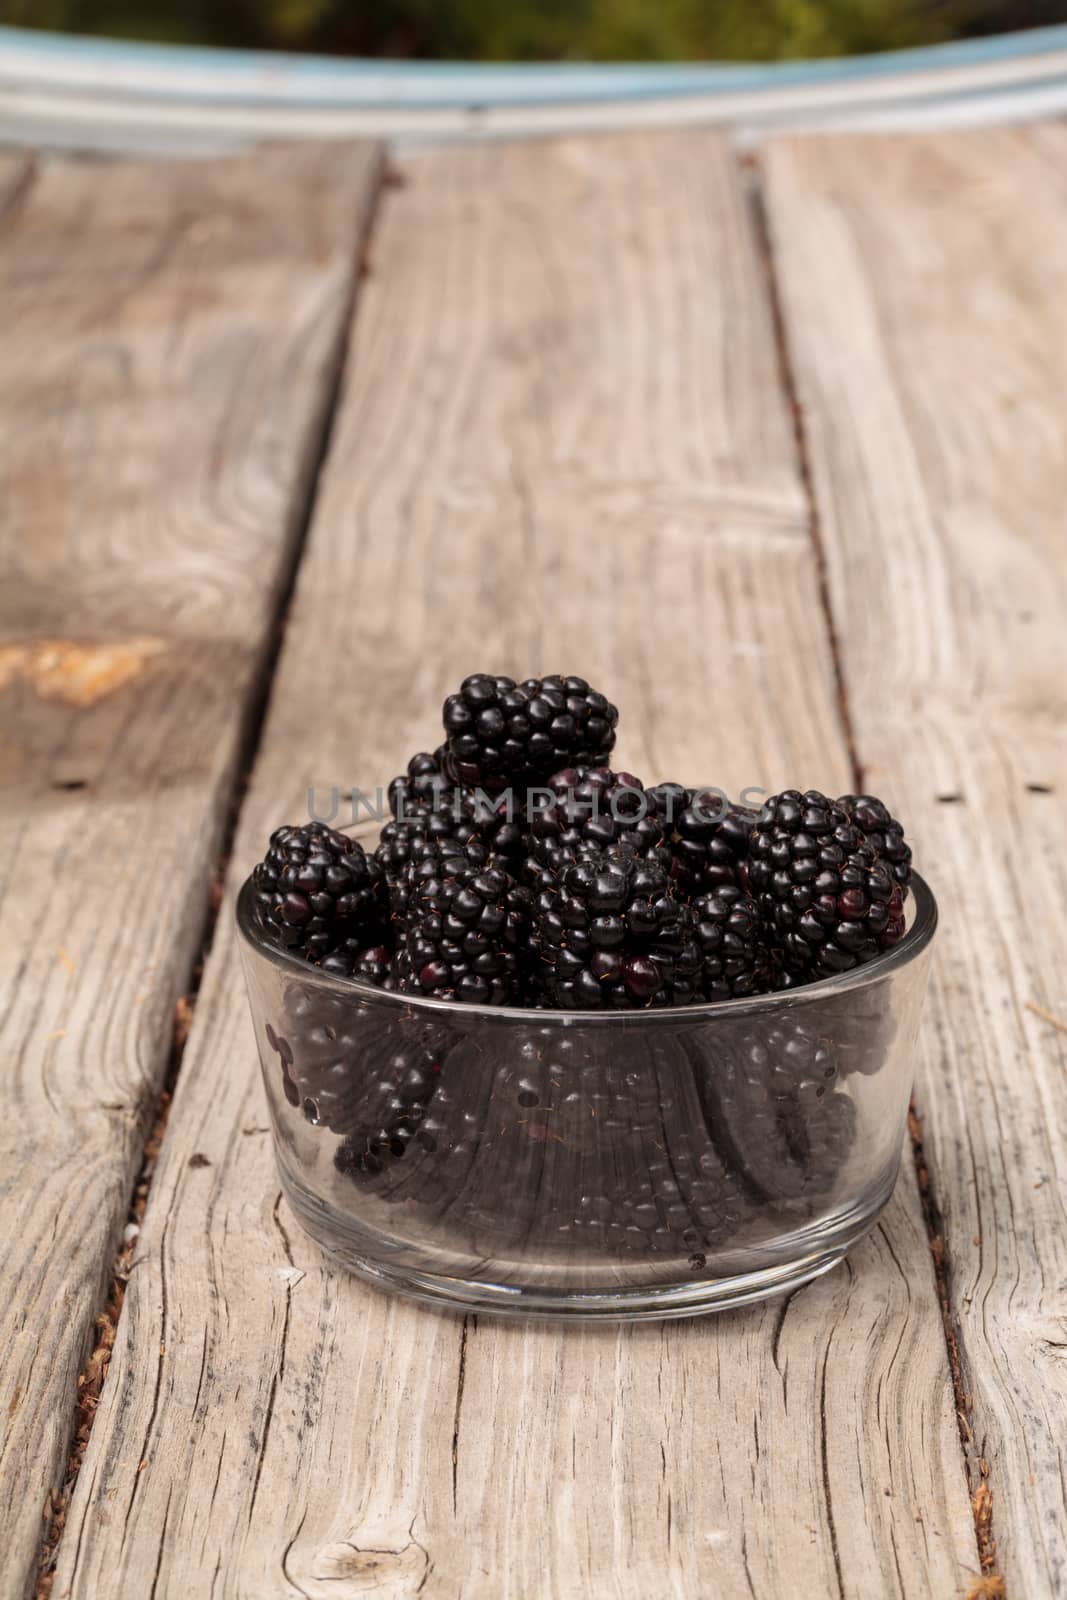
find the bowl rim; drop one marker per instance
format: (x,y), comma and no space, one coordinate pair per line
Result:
(916,939)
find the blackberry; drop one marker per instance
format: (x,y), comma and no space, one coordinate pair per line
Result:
(315,887)
(709,840)
(493,1191)
(500,731)
(464,923)
(425,1164)
(424,786)
(349,1067)
(882,831)
(716,1201)
(772,1109)
(425,791)
(652,1183)
(404,1084)
(827,899)
(284,1051)
(860,1027)
(588,1150)
(432,836)
(611,934)
(593,810)
(734,953)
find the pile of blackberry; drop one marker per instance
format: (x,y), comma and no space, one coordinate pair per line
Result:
(520,869)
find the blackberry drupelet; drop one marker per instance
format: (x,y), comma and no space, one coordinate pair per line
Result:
(734,954)
(826,898)
(464,922)
(611,934)
(667,801)
(352,958)
(501,732)
(316,887)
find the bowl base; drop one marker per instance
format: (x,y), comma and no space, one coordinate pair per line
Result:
(811,1252)
(699,1299)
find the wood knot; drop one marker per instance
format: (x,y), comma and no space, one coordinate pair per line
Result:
(371,1569)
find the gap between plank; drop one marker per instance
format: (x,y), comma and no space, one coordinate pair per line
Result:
(991,1583)
(93,1377)
(19,190)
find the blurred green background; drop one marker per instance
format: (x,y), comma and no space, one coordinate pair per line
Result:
(531,30)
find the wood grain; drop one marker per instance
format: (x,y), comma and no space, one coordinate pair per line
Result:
(169,342)
(562,442)
(928,330)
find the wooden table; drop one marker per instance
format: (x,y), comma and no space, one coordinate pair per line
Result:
(776,448)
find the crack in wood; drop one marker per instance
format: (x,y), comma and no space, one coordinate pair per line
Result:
(761,229)
(461,1375)
(976,1467)
(12,200)
(94,1374)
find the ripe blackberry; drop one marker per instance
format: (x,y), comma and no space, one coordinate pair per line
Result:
(651,1183)
(871,816)
(859,1027)
(770,1105)
(284,1051)
(709,840)
(432,835)
(425,1166)
(588,1150)
(611,934)
(405,1081)
(734,953)
(315,887)
(594,810)
(463,924)
(500,731)
(827,899)
(350,1067)
(426,790)
(424,786)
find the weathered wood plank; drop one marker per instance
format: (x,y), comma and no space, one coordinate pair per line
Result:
(562,442)
(928,328)
(169,344)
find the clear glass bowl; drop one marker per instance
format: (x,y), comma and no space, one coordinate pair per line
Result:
(593,1164)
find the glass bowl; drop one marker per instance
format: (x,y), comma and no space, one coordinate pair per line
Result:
(632,1164)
